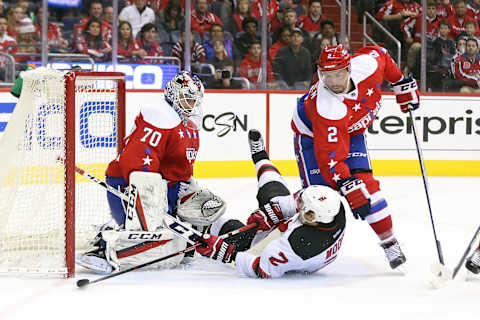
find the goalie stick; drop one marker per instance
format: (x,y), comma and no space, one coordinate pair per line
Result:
(84,282)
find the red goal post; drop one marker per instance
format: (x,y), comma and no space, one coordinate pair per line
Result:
(46,212)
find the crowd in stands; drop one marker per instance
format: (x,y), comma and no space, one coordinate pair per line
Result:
(225,40)
(452,31)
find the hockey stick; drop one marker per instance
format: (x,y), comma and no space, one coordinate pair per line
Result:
(425,184)
(84,282)
(459,265)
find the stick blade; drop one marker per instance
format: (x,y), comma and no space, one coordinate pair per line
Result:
(82,283)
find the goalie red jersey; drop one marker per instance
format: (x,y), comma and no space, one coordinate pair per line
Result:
(159,142)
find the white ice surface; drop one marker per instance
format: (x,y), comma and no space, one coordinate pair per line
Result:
(359,284)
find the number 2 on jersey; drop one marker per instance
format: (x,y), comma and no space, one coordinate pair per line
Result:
(332,134)
(154,138)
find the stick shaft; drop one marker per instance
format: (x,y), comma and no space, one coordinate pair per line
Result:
(459,265)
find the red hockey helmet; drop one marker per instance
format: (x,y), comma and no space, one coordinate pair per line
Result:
(334,58)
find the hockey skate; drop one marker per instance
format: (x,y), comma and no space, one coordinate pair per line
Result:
(257,146)
(473,263)
(393,252)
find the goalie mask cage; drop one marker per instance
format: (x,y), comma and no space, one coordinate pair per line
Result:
(45,209)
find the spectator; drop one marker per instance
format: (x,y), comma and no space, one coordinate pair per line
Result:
(293,63)
(440,62)
(311,22)
(216,32)
(283,41)
(202,20)
(171,18)
(243,40)
(412,29)
(127,46)
(460,45)
(256,9)
(219,53)
(223,77)
(26,41)
(324,42)
(5,41)
(395,11)
(327,30)
(242,11)
(92,42)
(95,11)
(251,65)
(148,34)
(445,9)
(473,9)
(471,30)
(279,18)
(2,8)
(197,51)
(467,67)
(15,15)
(138,15)
(458,20)
(108,14)
(56,41)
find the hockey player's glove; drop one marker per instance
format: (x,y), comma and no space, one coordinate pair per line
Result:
(407,94)
(214,247)
(357,195)
(266,217)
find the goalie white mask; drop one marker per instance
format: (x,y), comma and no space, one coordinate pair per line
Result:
(185,94)
(318,204)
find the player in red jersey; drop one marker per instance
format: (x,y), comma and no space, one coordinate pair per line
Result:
(157,159)
(329,124)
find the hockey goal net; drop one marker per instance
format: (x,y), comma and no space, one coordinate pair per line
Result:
(46,211)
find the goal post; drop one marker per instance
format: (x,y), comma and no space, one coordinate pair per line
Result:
(46,211)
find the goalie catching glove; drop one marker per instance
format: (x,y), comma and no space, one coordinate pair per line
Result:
(214,247)
(407,94)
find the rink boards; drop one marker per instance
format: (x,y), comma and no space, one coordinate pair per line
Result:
(448,128)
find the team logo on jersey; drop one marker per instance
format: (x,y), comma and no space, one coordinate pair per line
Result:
(191,154)
(466,65)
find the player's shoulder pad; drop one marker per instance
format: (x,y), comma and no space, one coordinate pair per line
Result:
(160,115)
(328,105)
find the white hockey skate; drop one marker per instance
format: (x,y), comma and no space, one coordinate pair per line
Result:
(394,253)
(255,141)
(473,262)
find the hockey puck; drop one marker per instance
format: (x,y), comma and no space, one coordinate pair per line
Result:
(82,282)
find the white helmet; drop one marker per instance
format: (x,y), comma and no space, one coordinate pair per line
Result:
(318,204)
(185,93)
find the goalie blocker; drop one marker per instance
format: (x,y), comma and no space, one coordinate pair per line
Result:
(143,236)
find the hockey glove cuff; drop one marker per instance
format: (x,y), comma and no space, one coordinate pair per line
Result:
(266,217)
(357,195)
(214,247)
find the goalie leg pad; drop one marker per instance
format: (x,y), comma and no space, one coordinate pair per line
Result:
(148,213)
(126,249)
(201,208)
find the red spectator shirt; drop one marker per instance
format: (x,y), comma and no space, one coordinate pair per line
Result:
(153,50)
(473,12)
(5,41)
(256,9)
(159,142)
(251,69)
(412,28)
(457,27)
(97,51)
(238,21)
(333,118)
(128,51)
(445,10)
(105,28)
(306,23)
(395,6)
(202,24)
(467,69)
(54,33)
(272,52)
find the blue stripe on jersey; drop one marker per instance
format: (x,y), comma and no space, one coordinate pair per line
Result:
(301,112)
(379,206)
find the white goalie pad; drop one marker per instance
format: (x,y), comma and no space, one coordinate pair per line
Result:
(200,207)
(126,249)
(152,189)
